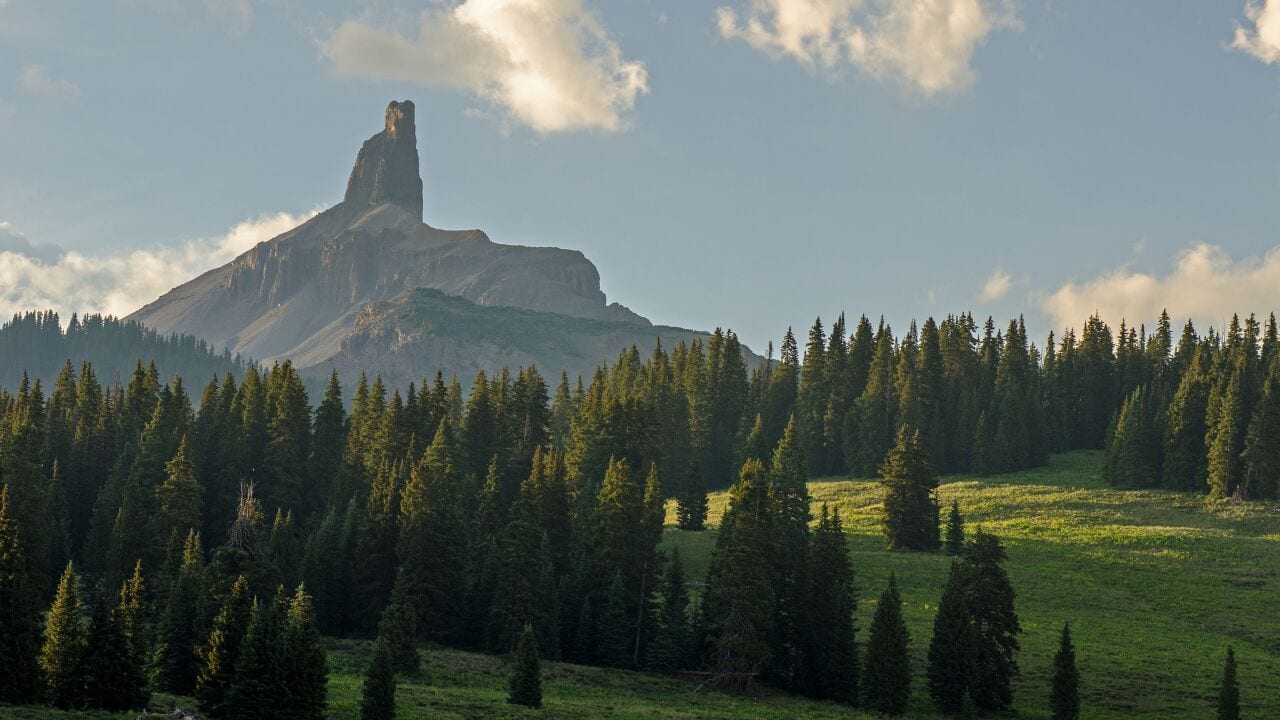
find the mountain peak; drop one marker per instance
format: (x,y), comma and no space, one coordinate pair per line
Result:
(386,169)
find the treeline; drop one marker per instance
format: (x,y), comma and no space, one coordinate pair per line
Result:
(463,517)
(34,343)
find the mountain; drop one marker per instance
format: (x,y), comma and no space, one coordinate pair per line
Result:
(346,289)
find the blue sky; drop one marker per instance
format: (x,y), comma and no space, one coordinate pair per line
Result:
(746,163)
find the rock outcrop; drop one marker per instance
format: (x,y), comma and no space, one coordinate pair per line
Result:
(311,293)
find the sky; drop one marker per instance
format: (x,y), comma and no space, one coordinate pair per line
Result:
(749,164)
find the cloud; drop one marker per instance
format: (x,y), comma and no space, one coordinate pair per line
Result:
(926,46)
(548,64)
(1205,285)
(996,286)
(36,80)
(38,277)
(1262,40)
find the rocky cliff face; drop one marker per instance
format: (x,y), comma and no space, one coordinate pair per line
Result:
(301,295)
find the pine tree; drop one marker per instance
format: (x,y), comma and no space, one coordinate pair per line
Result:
(1133,451)
(989,598)
(398,629)
(911,510)
(259,689)
(1185,427)
(378,694)
(174,663)
(614,636)
(19,621)
(1262,444)
(670,649)
(886,679)
(788,479)
(1064,701)
(691,499)
(112,677)
(1229,689)
(307,674)
(951,649)
(221,650)
(1226,440)
(954,541)
(829,645)
(178,498)
(64,642)
(526,676)
(737,607)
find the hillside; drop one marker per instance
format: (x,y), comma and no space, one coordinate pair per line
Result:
(304,294)
(1155,584)
(390,338)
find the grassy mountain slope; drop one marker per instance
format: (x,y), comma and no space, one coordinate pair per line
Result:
(1155,584)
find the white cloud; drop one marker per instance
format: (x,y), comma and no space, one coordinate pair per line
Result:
(1262,40)
(927,46)
(996,286)
(117,284)
(549,64)
(1205,285)
(36,80)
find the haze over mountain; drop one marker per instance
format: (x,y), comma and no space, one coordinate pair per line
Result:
(351,289)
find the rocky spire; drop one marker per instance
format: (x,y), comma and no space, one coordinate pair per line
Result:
(386,169)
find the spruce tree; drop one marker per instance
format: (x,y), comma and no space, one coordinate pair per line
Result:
(911,509)
(174,662)
(1133,452)
(886,678)
(1064,701)
(19,620)
(398,629)
(670,649)
(614,636)
(259,689)
(951,649)
(221,650)
(989,598)
(954,541)
(788,479)
(526,676)
(1262,443)
(113,679)
(737,607)
(307,675)
(691,499)
(378,694)
(829,643)
(1229,689)
(64,643)
(1226,440)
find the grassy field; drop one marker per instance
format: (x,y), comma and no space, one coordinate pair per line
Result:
(1155,585)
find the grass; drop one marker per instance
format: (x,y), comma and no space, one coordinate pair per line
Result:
(1155,585)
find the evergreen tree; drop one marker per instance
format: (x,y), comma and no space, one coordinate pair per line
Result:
(64,643)
(259,689)
(691,499)
(221,651)
(1064,701)
(989,598)
(19,621)
(670,649)
(1229,689)
(952,647)
(307,674)
(113,678)
(788,479)
(1262,444)
(830,652)
(174,663)
(886,679)
(954,541)
(1185,429)
(1226,440)
(398,629)
(614,636)
(526,676)
(178,498)
(378,693)
(737,607)
(1133,451)
(911,509)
